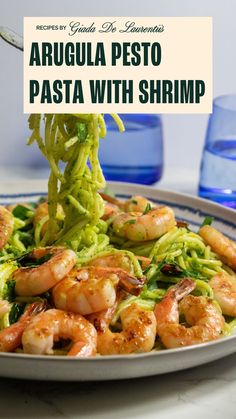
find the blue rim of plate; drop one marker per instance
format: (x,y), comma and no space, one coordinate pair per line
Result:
(6,199)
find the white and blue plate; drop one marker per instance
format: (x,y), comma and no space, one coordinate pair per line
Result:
(59,368)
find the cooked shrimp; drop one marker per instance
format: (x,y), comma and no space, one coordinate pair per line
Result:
(91,289)
(141,227)
(135,203)
(137,335)
(110,210)
(103,318)
(220,244)
(112,200)
(224,289)
(114,260)
(53,325)
(10,338)
(138,204)
(35,281)
(6,226)
(201,313)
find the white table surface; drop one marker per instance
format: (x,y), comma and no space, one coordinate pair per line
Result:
(203,392)
(207,391)
(175,178)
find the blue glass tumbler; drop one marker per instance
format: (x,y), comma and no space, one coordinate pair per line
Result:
(135,155)
(218,166)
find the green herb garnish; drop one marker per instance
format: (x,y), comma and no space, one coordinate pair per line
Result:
(207,221)
(148,208)
(21,212)
(130,221)
(82,132)
(15,313)
(27,261)
(9,290)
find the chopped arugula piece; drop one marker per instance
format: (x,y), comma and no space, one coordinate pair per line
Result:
(130,222)
(9,290)
(15,313)
(207,221)
(133,201)
(82,132)
(26,238)
(148,208)
(27,261)
(21,212)
(174,270)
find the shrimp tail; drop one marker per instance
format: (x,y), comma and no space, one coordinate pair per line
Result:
(167,310)
(112,200)
(81,349)
(130,283)
(185,286)
(103,318)
(34,309)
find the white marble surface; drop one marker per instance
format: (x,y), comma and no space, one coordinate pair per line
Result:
(207,391)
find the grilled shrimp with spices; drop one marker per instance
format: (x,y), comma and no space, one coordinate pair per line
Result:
(34,281)
(138,333)
(93,288)
(137,226)
(138,203)
(201,313)
(53,325)
(6,226)
(114,260)
(224,290)
(135,203)
(220,244)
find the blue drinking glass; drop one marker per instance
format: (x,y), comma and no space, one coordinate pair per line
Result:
(135,155)
(218,166)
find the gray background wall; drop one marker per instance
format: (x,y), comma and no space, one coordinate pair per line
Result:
(184,134)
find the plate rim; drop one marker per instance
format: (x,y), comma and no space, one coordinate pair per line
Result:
(133,356)
(126,185)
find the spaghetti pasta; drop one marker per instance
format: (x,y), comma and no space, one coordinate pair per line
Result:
(70,145)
